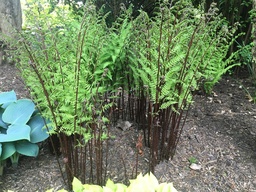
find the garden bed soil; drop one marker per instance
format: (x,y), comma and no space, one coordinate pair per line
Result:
(219,136)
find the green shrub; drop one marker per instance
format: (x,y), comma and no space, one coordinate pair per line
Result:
(21,128)
(146,183)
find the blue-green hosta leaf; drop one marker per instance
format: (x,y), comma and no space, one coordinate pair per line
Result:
(7,97)
(3,130)
(15,133)
(8,149)
(2,124)
(27,148)
(19,112)
(0,149)
(38,130)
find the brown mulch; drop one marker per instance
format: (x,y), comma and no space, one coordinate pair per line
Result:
(220,134)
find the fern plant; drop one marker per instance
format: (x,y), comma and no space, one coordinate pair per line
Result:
(73,66)
(179,47)
(62,63)
(218,37)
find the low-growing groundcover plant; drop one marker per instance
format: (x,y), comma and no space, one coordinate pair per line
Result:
(146,183)
(21,128)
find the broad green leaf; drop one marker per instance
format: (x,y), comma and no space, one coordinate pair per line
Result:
(15,133)
(106,189)
(38,131)
(138,186)
(27,148)
(8,149)
(163,187)
(110,184)
(152,180)
(135,184)
(172,188)
(77,185)
(91,188)
(19,112)
(121,187)
(7,97)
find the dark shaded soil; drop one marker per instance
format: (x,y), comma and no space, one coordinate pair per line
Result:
(220,134)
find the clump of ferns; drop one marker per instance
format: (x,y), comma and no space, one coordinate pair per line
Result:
(171,63)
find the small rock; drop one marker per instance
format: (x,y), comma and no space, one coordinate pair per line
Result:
(210,99)
(195,166)
(124,125)
(215,94)
(253,133)
(218,101)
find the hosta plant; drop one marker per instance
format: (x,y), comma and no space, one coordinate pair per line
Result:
(146,183)
(21,128)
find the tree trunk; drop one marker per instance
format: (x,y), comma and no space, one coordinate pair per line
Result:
(10,20)
(254,42)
